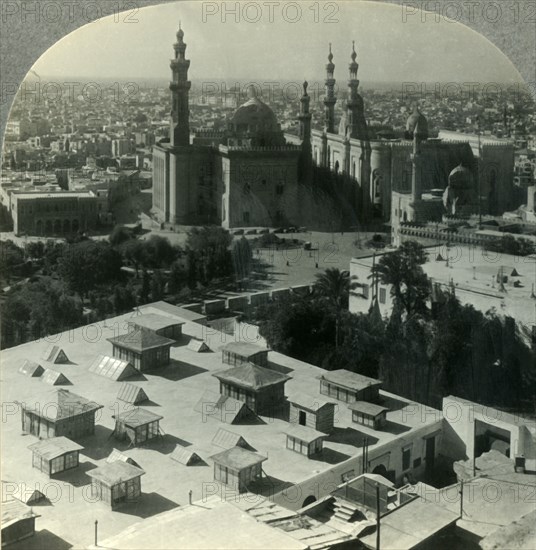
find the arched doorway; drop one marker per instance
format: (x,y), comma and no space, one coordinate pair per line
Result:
(75,226)
(39,227)
(66,226)
(57,227)
(48,227)
(309,500)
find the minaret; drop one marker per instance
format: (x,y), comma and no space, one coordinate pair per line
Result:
(352,104)
(416,185)
(179,131)
(329,100)
(305,116)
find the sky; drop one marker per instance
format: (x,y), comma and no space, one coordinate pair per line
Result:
(389,49)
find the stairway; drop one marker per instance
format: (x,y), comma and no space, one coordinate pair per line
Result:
(344,510)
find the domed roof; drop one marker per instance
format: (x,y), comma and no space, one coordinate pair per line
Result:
(254,115)
(460,176)
(417,123)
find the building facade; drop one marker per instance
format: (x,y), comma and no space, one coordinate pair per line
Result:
(54,214)
(244,176)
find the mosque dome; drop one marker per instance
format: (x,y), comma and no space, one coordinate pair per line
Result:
(254,116)
(417,124)
(461,177)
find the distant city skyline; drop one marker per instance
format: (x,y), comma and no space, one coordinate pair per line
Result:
(389,50)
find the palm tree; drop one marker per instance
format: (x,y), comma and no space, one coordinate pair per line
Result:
(334,286)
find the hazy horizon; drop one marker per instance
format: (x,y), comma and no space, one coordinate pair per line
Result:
(389,51)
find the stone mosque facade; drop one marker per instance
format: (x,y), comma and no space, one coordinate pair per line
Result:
(252,174)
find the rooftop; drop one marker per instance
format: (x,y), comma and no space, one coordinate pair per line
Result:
(244,349)
(237,458)
(59,404)
(115,472)
(304,433)
(251,376)
(216,524)
(14,510)
(54,447)
(305,401)
(348,379)
(141,339)
(153,321)
(367,408)
(174,391)
(473,272)
(137,417)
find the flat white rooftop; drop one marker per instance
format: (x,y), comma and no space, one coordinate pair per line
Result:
(174,392)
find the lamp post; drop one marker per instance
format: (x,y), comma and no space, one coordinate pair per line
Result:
(479,160)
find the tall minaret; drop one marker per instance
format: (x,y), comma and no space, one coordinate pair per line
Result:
(179,131)
(352,104)
(305,116)
(329,100)
(305,135)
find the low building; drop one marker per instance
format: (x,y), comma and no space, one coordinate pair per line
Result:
(348,386)
(244,353)
(18,521)
(369,414)
(304,440)
(116,483)
(163,326)
(314,412)
(237,468)
(137,425)
(62,414)
(55,455)
(54,214)
(142,348)
(262,390)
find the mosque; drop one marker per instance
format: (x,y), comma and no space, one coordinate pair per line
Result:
(253,174)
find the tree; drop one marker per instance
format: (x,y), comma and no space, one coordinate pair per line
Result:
(334,286)
(159,252)
(145,287)
(210,248)
(119,235)
(401,269)
(157,286)
(134,252)
(242,257)
(177,278)
(87,264)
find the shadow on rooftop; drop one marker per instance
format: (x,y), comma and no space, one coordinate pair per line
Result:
(268,486)
(77,476)
(42,540)
(101,444)
(149,403)
(138,377)
(178,370)
(279,412)
(165,444)
(181,341)
(330,456)
(393,404)
(279,368)
(395,428)
(349,436)
(149,504)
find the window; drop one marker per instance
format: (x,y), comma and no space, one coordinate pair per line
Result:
(406,458)
(383,295)
(71,460)
(280,188)
(56,465)
(245,217)
(365,291)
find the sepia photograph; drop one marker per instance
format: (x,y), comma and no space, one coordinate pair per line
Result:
(268,275)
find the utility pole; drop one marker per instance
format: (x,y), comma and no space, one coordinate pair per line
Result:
(461,499)
(377,517)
